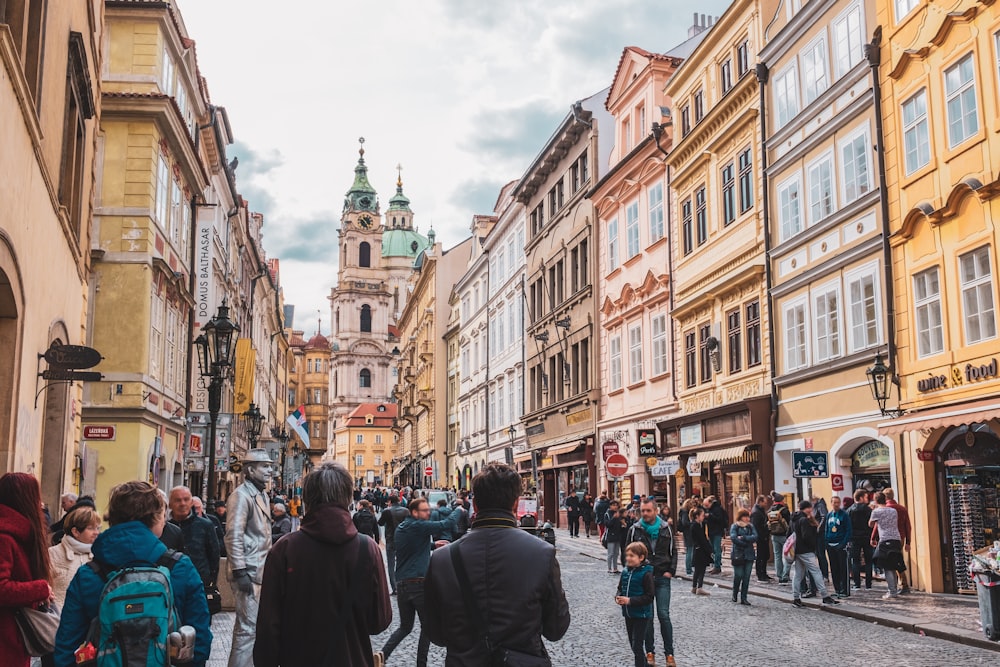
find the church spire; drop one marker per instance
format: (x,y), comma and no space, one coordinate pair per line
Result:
(361,196)
(399,201)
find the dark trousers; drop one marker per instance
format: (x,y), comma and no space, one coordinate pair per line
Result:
(698,579)
(824,567)
(574,524)
(861,549)
(763,553)
(838,569)
(741,579)
(662,607)
(390,558)
(411,603)
(636,629)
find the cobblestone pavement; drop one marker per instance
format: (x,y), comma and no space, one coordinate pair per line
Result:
(709,631)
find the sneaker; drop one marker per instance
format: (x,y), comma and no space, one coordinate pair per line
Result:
(855,587)
(670,661)
(829,600)
(904,591)
(810,594)
(701,591)
(651,659)
(798,603)
(379,659)
(782,582)
(889,596)
(745,603)
(716,570)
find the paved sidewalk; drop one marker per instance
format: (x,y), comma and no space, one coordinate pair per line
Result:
(952,617)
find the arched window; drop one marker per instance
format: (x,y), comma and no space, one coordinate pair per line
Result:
(393,221)
(365,379)
(364,254)
(366,318)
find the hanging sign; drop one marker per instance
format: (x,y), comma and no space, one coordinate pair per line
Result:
(647,442)
(693,467)
(810,464)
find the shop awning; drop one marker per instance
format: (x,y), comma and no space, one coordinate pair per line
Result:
(952,415)
(726,454)
(520,458)
(399,471)
(565,448)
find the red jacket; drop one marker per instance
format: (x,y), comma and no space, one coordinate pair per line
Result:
(17,589)
(903,518)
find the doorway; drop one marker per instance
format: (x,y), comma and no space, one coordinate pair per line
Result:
(10,338)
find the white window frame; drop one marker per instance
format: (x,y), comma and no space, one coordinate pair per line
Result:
(959,94)
(815,188)
(815,70)
(655,203)
(928,304)
(858,276)
(156,317)
(903,8)
(850,38)
(612,244)
(786,95)
(801,324)
(847,162)
(974,287)
(658,330)
(632,229)
(615,362)
(918,128)
(831,345)
(163,182)
(788,206)
(359,460)
(635,370)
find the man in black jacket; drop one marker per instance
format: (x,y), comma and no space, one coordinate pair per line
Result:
(758,518)
(805,528)
(200,542)
(860,547)
(658,537)
(718,526)
(391,517)
(520,604)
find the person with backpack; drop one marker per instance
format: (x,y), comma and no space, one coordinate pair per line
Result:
(390,518)
(600,513)
(805,527)
(614,533)
(132,570)
(365,521)
(778,521)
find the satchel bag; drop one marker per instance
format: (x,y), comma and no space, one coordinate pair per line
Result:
(499,656)
(38,627)
(213,597)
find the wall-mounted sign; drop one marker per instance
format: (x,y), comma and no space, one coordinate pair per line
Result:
(664,467)
(873,454)
(924,455)
(535,429)
(837,482)
(194,445)
(693,467)
(72,356)
(647,442)
(810,464)
(579,416)
(691,435)
(608,448)
(959,375)
(95,432)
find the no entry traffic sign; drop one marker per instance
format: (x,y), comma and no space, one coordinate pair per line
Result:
(429,471)
(617,465)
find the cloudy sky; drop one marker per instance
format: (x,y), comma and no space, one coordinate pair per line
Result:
(462,93)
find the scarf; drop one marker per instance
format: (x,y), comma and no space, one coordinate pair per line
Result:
(653,529)
(76,545)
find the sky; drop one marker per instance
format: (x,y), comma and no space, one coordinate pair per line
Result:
(462,93)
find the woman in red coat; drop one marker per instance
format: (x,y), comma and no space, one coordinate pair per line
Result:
(24,560)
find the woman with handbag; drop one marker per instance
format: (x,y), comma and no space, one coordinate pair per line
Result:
(702,550)
(887,542)
(743,536)
(684,525)
(24,561)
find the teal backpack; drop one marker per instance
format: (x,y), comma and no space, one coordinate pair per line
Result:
(135,614)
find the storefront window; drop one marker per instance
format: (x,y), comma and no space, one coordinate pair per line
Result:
(580,480)
(740,487)
(870,466)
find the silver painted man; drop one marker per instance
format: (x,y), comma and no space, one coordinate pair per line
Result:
(248,539)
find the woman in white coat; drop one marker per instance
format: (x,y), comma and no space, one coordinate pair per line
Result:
(82,526)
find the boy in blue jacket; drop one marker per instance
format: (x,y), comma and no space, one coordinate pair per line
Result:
(635,596)
(838,537)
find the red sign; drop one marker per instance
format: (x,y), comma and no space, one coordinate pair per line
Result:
(608,448)
(91,432)
(195,445)
(809,443)
(429,471)
(837,481)
(924,455)
(617,465)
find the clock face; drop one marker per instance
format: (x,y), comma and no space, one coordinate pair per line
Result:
(365,221)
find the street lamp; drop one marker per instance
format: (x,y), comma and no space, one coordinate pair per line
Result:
(511,433)
(253,420)
(880,380)
(215,356)
(281,435)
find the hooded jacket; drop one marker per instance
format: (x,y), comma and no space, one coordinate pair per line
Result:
(131,543)
(307,575)
(441,514)
(17,587)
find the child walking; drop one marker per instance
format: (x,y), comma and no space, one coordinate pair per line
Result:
(635,595)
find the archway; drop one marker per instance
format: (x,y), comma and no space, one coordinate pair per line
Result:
(865,459)
(11,306)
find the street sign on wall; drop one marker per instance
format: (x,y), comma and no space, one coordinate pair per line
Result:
(608,448)
(99,432)
(810,464)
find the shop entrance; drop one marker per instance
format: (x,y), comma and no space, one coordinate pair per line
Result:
(870,466)
(969,485)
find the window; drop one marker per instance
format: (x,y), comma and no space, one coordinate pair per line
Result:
(855,157)
(291,397)
(632,229)
(735,344)
(819,176)
(365,379)
(686,231)
(814,70)
(728,193)
(574,177)
(635,354)
(976,276)
(627,133)
(904,7)
(746,181)
(685,120)
(753,333)
(701,215)
(366,318)
(789,217)
(316,429)
(848,40)
(378,457)
(615,362)
(927,303)
(827,321)
(359,461)
(690,360)
(862,312)
(156,336)
(584,167)
(916,133)
(704,333)
(655,196)
(465,363)
(743,58)
(359,439)
(659,340)
(786,95)
(317,395)
(79,108)
(163,192)
(726,76)
(613,245)
(795,336)
(960,92)
(699,106)
(167,73)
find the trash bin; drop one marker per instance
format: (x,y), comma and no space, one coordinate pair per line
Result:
(988,588)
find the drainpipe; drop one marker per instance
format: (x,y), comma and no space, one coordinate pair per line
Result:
(761,71)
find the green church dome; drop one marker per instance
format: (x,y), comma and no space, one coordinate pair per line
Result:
(403,243)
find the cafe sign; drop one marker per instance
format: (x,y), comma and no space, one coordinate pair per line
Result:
(958,375)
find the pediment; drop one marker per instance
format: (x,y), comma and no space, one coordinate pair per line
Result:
(366,347)
(633,60)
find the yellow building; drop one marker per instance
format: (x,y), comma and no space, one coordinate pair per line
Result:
(309,386)
(149,173)
(49,112)
(939,94)
(723,439)
(366,442)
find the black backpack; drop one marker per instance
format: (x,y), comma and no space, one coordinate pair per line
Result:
(365,523)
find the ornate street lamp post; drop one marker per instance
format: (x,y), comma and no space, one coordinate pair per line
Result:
(281,435)
(880,381)
(215,359)
(253,420)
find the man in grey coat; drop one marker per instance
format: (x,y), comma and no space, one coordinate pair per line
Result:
(248,539)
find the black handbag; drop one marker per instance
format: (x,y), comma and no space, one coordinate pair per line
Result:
(499,656)
(213,597)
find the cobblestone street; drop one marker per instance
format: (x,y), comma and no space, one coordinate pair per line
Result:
(708,632)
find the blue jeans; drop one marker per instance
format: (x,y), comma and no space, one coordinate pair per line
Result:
(663,614)
(807,563)
(717,550)
(780,566)
(741,579)
(688,554)
(614,552)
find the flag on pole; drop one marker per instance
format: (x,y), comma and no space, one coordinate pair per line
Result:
(297,420)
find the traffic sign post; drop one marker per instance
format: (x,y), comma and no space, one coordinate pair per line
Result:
(429,471)
(617,465)
(810,464)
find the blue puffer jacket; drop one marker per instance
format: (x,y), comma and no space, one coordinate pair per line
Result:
(126,544)
(637,585)
(743,538)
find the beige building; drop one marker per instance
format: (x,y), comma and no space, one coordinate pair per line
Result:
(365,442)
(308,387)
(50,103)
